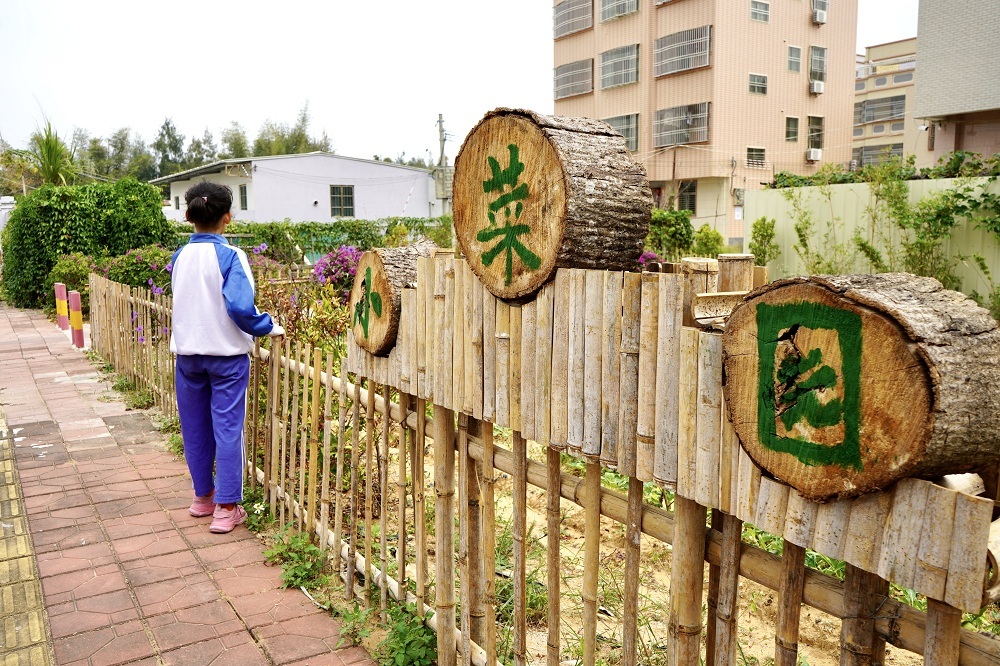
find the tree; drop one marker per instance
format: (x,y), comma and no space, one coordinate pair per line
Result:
(122,154)
(168,149)
(762,244)
(48,156)
(200,151)
(234,142)
(280,139)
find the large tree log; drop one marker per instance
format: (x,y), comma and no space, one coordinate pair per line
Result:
(840,385)
(375,295)
(534,193)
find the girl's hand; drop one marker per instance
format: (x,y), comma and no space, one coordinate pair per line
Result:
(276,332)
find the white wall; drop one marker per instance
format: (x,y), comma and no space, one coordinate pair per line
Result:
(6,206)
(178,188)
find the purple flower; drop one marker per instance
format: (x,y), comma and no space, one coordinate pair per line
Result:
(157,290)
(263,246)
(142,340)
(256,250)
(149,281)
(169,267)
(139,328)
(153,266)
(165,331)
(135,315)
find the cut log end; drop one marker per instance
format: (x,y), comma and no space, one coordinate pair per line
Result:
(836,393)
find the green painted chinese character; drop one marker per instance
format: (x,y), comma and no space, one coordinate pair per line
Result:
(370,300)
(504,181)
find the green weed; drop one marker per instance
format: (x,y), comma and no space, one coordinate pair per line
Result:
(410,642)
(259,516)
(302,562)
(355,625)
(175,444)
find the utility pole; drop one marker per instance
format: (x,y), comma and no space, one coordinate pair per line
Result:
(442,160)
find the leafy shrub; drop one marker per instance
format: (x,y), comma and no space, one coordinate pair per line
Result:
(302,562)
(670,233)
(707,242)
(410,642)
(337,269)
(96,219)
(762,244)
(437,229)
(73,270)
(147,267)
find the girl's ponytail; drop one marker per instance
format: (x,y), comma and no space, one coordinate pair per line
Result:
(207,202)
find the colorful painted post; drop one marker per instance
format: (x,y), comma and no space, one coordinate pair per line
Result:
(62,310)
(76,318)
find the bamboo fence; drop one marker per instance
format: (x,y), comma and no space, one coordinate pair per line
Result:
(620,370)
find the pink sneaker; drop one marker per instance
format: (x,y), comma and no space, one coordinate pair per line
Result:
(225,521)
(202,506)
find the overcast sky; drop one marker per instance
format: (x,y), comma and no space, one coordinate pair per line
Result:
(374,74)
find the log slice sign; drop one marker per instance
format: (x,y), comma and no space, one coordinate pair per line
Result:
(842,385)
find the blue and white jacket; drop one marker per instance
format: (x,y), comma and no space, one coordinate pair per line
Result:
(214,311)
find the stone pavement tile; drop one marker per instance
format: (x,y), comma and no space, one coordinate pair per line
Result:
(163,567)
(90,613)
(171,595)
(298,638)
(355,655)
(28,458)
(66,538)
(110,492)
(75,516)
(59,500)
(23,629)
(35,487)
(134,525)
(130,506)
(48,471)
(199,536)
(74,559)
(347,656)
(104,463)
(270,606)
(161,470)
(77,585)
(178,483)
(80,446)
(193,625)
(110,646)
(181,518)
(36,655)
(232,553)
(93,478)
(249,579)
(16,570)
(231,650)
(149,545)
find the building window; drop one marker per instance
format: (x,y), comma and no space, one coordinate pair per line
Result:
(756,158)
(688,49)
(243,197)
(341,201)
(876,110)
(794,58)
(896,127)
(878,129)
(791,129)
(573,16)
(628,127)
(902,78)
(613,8)
(859,131)
(760,11)
(817,63)
(576,78)
(687,196)
(177,203)
(881,81)
(815,131)
(867,155)
(681,124)
(821,5)
(758,84)
(859,85)
(620,66)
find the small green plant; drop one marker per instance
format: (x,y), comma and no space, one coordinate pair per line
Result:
(410,642)
(355,624)
(166,424)
(707,242)
(302,562)
(258,512)
(762,244)
(175,444)
(671,234)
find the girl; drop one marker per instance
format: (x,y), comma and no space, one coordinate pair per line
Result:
(214,323)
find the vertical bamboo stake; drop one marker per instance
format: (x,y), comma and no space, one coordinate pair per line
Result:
(519,531)
(786,630)
(324,499)
(591,558)
(476,582)
(489,353)
(286,435)
(444,517)
(475,288)
(305,426)
(526,384)
(592,362)
(668,372)
(419,505)
(611,340)
(558,424)
(514,369)
(404,409)
(649,324)
(629,380)
(502,377)
(369,490)
(463,535)
(553,554)
(419,334)
(274,394)
(728,602)
(444,299)
(456,305)
(254,394)
(431,324)
(338,518)
(487,480)
(687,584)
(864,593)
(352,546)
(630,601)
(293,433)
(313,471)
(383,512)
(470,345)
(577,358)
(944,632)
(543,363)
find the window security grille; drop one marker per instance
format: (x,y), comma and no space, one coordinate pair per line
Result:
(821,5)
(791,129)
(794,59)
(817,63)
(613,8)
(620,66)
(756,158)
(758,84)
(681,125)
(575,78)
(628,127)
(815,131)
(341,201)
(688,49)
(875,110)
(243,197)
(573,16)
(687,196)
(760,11)
(867,155)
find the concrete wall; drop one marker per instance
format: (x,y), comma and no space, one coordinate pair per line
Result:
(6,206)
(845,211)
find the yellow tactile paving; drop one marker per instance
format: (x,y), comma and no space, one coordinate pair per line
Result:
(24,634)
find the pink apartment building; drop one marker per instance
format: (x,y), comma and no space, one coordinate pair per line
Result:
(713,96)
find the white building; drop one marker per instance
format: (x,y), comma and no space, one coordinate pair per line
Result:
(312,187)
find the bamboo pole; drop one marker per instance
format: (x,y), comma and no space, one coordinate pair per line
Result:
(944,631)
(727,608)
(591,559)
(369,490)
(577,359)
(338,518)
(558,425)
(553,554)
(274,395)
(592,362)
(463,536)
(629,380)
(543,363)
(519,531)
(477,573)
(444,489)
(383,513)
(489,353)
(444,295)
(668,373)
(477,377)
(404,404)
(786,630)
(456,306)
(293,434)
(687,584)
(526,384)
(470,345)
(611,340)
(324,499)
(313,470)
(355,461)
(502,402)
(630,601)
(419,505)
(487,479)
(254,393)
(514,369)
(649,324)
(286,435)
(305,427)
(419,334)
(864,593)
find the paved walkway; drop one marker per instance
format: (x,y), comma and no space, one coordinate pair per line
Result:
(100,563)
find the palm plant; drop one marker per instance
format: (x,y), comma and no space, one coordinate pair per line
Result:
(49,156)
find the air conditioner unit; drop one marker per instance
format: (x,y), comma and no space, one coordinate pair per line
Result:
(814,155)
(819,16)
(816,87)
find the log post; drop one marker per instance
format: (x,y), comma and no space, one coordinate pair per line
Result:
(841,385)
(535,193)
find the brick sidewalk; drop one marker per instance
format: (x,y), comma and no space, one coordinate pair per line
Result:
(128,576)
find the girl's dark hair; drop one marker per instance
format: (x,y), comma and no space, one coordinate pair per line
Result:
(207,203)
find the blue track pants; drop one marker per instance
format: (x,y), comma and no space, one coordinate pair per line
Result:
(211,401)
